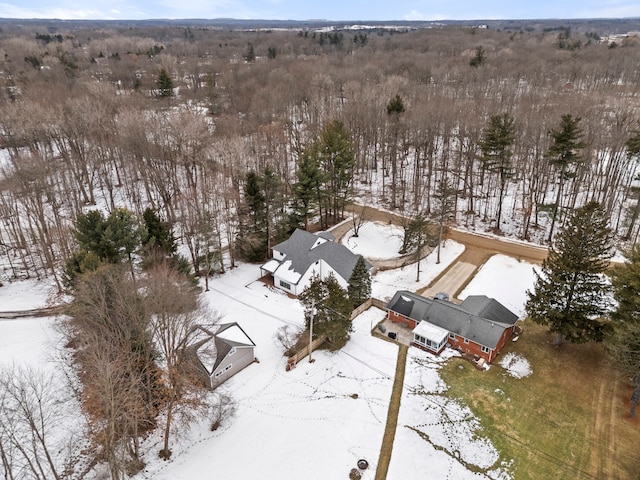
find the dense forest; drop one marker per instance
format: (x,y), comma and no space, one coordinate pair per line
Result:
(208,127)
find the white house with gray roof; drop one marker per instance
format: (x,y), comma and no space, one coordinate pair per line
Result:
(479,325)
(305,255)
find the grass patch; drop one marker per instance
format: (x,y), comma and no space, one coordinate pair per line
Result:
(569,419)
(392,415)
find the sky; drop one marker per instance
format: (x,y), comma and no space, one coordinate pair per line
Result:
(319,9)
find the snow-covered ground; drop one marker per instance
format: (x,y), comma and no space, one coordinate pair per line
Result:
(30,342)
(387,282)
(375,240)
(25,294)
(436,434)
(317,420)
(516,365)
(504,278)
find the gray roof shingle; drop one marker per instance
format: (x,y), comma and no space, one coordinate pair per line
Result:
(477,320)
(303,249)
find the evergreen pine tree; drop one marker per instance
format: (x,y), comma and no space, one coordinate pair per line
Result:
(308,187)
(479,57)
(164,84)
(624,345)
(250,56)
(563,154)
(337,158)
(263,217)
(359,287)
(445,204)
(625,280)
(328,304)
(417,235)
(571,295)
(633,152)
(157,234)
(496,154)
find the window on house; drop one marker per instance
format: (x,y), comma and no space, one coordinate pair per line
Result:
(485,349)
(232,351)
(284,284)
(466,340)
(452,335)
(218,374)
(227,368)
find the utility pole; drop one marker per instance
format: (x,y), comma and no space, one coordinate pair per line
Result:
(313,312)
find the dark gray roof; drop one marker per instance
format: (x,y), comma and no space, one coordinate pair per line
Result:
(476,321)
(489,308)
(304,249)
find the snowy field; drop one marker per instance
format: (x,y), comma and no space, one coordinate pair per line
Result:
(375,240)
(317,420)
(26,295)
(504,278)
(387,282)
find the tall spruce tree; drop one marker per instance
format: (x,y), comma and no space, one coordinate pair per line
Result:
(564,155)
(157,234)
(327,303)
(359,287)
(308,191)
(496,154)
(262,218)
(337,158)
(571,295)
(624,345)
(445,206)
(633,152)
(164,84)
(625,280)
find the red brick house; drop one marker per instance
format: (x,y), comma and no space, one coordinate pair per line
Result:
(479,325)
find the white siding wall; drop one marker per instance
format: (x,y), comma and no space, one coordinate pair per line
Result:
(323,270)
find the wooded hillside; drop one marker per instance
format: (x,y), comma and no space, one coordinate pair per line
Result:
(175,118)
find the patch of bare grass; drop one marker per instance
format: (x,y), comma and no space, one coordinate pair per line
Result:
(569,419)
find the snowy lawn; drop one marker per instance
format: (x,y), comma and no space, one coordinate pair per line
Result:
(25,294)
(436,434)
(386,283)
(506,279)
(30,341)
(315,421)
(375,240)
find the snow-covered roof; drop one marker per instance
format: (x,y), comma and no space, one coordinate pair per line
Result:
(303,249)
(287,273)
(233,333)
(271,266)
(431,332)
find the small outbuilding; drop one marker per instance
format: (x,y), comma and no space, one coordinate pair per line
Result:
(223,353)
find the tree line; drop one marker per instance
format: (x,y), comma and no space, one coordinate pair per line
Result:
(179,124)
